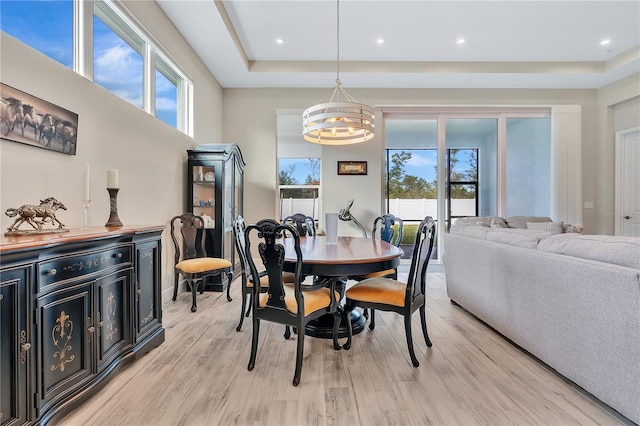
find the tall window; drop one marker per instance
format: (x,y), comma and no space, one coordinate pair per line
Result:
(45,25)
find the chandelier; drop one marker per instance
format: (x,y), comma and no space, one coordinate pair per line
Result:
(340,120)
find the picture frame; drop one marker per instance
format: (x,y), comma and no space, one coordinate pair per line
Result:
(352,167)
(29,120)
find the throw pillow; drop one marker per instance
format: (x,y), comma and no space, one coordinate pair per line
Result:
(553,227)
(578,228)
(498,222)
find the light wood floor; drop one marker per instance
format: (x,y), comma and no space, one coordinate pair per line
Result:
(470,376)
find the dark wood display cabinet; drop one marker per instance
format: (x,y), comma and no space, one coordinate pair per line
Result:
(215,178)
(74,309)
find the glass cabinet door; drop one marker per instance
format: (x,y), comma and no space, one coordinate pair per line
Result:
(204,200)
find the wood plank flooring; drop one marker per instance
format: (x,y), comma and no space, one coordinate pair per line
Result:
(470,376)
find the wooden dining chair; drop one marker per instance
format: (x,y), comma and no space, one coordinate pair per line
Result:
(389,294)
(289,304)
(386,228)
(188,236)
(239,228)
(305,225)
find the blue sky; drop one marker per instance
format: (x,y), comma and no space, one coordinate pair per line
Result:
(47,26)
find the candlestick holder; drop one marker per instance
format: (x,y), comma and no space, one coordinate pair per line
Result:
(85,208)
(114,220)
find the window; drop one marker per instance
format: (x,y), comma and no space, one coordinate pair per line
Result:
(118,64)
(487,161)
(299,185)
(45,25)
(122,56)
(167,81)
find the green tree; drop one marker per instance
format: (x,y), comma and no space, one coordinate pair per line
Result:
(463,174)
(402,185)
(286,176)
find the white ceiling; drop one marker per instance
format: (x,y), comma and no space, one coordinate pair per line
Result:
(509,44)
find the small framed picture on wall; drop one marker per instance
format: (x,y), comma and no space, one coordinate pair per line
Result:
(352,167)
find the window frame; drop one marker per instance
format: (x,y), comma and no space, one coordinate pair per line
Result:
(123,23)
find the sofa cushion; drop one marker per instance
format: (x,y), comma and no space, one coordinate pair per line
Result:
(553,227)
(527,238)
(521,221)
(474,231)
(473,220)
(624,251)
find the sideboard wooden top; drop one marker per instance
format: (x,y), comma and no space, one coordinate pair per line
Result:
(24,242)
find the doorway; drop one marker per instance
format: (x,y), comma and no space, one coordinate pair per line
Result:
(627,183)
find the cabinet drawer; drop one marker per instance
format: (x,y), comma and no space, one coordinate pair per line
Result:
(79,264)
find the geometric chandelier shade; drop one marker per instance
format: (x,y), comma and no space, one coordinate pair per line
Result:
(341,120)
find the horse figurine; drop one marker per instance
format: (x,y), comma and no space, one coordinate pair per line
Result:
(36,216)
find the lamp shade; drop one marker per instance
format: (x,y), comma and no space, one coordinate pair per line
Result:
(338,123)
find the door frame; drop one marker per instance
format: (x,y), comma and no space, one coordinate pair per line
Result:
(622,136)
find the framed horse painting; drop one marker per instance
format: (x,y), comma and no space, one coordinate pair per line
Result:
(32,121)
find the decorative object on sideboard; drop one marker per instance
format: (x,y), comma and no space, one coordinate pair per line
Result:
(36,216)
(340,120)
(112,189)
(33,121)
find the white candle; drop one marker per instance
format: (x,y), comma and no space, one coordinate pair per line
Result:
(87,183)
(112,178)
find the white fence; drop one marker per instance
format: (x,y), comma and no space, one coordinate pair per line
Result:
(407,209)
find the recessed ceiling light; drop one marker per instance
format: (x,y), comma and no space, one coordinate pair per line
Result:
(605,42)
(279,41)
(380,40)
(461,40)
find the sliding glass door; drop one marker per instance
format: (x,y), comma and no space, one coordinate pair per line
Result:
(456,164)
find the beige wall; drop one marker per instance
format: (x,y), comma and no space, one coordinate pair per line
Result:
(112,134)
(250,120)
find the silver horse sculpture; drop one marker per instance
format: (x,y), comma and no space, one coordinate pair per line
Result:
(35,215)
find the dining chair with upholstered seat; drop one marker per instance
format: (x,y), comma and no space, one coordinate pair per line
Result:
(289,304)
(386,228)
(389,294)
(239,228)
(305,225)
(187,233)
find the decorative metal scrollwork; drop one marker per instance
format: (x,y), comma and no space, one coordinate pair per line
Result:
(111,314)
(61,335)
(149,316)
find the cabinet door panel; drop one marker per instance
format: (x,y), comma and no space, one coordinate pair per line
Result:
(148,302)
(66,332)
(114,323)
(15,346)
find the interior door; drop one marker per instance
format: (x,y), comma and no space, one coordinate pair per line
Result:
(627,185)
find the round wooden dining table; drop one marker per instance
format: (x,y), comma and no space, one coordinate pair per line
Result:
(351,256)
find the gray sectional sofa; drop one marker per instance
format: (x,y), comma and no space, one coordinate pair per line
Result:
(571,300)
